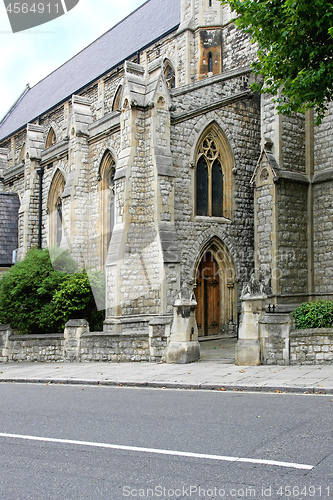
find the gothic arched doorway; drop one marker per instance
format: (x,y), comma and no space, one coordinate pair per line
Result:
(215,293)
(207,293)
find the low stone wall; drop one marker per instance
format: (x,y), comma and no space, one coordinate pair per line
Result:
(77,344)
(311,347)
(36,347)
(99,346)
(282,344)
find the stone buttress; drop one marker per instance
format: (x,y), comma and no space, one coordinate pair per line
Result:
(143,251)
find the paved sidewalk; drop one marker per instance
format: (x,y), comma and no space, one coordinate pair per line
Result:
(200,375)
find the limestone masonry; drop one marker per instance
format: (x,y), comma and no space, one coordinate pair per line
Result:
(159,165)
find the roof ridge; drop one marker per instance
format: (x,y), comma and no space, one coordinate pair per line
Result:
(89,44)
(11,109)
(149,22)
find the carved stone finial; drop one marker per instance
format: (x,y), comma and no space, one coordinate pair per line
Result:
(254,288)
(186,293)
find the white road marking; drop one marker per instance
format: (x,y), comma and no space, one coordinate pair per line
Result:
(159,452)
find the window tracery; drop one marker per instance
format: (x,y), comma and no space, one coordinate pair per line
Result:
(169,74)
(213,176)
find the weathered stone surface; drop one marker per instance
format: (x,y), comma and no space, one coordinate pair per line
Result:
(277,174)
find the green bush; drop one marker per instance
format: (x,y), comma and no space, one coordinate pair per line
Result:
(74,300)
(318,314)
(26,291)
(37,298)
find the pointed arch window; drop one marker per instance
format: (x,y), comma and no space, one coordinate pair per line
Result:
(51,138)
(107,203)
(169,74)
(116,99)
(213,179)
(55,209)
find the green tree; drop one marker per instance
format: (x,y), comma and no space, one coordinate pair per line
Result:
(295,50)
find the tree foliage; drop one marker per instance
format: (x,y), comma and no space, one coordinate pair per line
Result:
(318,314)
(295,50)
(37,298)
(74,300)
(26,292)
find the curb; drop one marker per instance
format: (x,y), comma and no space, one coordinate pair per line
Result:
(174,385)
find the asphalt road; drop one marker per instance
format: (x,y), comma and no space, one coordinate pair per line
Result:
(145,427)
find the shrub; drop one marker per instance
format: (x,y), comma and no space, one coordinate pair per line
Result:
(318,314)
(37,298)
(75,300)
(26,292)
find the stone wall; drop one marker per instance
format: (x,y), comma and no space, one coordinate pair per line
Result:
(283,345)
(323,237)
(240,123)
(323,143)
(77,344)
(292,236)
(311,347)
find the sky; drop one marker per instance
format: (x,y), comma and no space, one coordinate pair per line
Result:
(30,55)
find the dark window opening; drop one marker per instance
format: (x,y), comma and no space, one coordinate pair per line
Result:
(59,222)
(210,63)
(217,190)
(202,188)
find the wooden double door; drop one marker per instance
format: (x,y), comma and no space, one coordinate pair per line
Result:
(207,293)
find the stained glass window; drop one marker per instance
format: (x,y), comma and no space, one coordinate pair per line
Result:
(209,179)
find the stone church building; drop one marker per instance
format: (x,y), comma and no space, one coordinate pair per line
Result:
(148,155)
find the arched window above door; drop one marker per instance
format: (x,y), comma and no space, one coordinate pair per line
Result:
(213,175)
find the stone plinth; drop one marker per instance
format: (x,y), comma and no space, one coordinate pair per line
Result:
(184,346)
(74,329)
(247,350)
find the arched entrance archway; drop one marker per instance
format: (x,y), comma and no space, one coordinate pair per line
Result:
(215,291)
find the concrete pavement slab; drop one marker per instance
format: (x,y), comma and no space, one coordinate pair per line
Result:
(203,374)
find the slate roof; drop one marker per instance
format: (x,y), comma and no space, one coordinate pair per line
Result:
(151,21)
(9,206)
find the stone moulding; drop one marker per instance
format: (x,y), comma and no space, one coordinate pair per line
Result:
(13,173)
(210,107)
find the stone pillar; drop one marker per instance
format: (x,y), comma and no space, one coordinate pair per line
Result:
(274,338)
(5,332)
(248,350)
(74,329)
(184,346)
